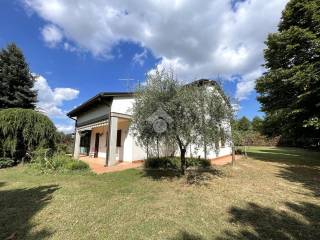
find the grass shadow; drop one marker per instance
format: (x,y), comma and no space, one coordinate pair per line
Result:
(287,156)
(192,176)
(18,206)
(309,177)
(161,174)
(184,235)
(298,165)
(296,221)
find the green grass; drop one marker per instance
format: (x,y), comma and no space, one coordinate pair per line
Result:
(272,195)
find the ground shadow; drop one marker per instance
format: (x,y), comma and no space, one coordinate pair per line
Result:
(183,235)
(161,174)
(287,156)
(18,206)
(295,221)
(298,166)
(309,177)
(192,176)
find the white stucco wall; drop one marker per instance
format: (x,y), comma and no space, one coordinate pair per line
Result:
(122,105)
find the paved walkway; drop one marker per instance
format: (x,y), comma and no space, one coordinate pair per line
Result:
(100,168)
(224,160)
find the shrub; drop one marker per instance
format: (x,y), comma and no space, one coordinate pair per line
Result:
(238,151)
(6,162)
(174,163)
(24,130)
(44,160)
(162,163)
(76,165)
(198,162)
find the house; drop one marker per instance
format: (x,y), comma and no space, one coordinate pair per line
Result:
(102,130)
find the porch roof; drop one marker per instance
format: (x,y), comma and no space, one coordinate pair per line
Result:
(92,125)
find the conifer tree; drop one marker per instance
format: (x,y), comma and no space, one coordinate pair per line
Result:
(16,80)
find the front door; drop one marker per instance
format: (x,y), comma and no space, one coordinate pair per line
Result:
(96,145)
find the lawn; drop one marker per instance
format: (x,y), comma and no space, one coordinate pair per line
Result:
(274,194)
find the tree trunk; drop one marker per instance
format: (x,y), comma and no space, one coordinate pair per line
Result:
(205,150)
(183,160)
(158,154)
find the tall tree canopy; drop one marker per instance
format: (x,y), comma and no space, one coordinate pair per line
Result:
(23,130)
(257,124)
(290,89)
(16,80)
(244,124)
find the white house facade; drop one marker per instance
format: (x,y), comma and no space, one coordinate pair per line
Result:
(102,131)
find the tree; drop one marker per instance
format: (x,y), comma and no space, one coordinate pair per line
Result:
(257,124)
(213,114)
(244,124)
(166,110)
(289,91)
(23,130)
(16,80)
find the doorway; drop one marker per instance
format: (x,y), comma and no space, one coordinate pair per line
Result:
(96,145)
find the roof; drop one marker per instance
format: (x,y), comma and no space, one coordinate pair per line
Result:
(202,82)
(104,97)
(99,98)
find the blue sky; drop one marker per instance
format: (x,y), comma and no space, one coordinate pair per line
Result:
(77,57)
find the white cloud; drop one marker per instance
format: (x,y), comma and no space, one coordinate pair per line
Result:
(198,39)
(50,100)
(246,84)
(140,57)
(51,35)
(66,128)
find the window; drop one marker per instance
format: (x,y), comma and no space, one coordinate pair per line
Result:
(119,138)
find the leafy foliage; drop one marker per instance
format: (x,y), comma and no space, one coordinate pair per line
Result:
(257,124)
(244,124)
(246,133)
(197,114)
(6,162)
(290,89)
(64,142)
(174,163)
(16,80)
(23,130)
(46,161)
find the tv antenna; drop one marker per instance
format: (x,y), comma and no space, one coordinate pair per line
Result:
(127,82)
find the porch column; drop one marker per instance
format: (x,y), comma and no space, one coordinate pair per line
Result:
(113,141)
(76,151)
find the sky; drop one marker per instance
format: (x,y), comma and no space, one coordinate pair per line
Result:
(80,48)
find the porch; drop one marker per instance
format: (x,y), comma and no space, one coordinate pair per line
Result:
(105,143)
(98,168)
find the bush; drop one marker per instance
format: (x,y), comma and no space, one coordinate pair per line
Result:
(44,160)
(198,162)
(174,163)
(6,162)
(238,151)
(24,130)
(76,165)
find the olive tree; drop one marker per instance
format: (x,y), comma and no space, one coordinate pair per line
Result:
(214,114)
(166,110)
